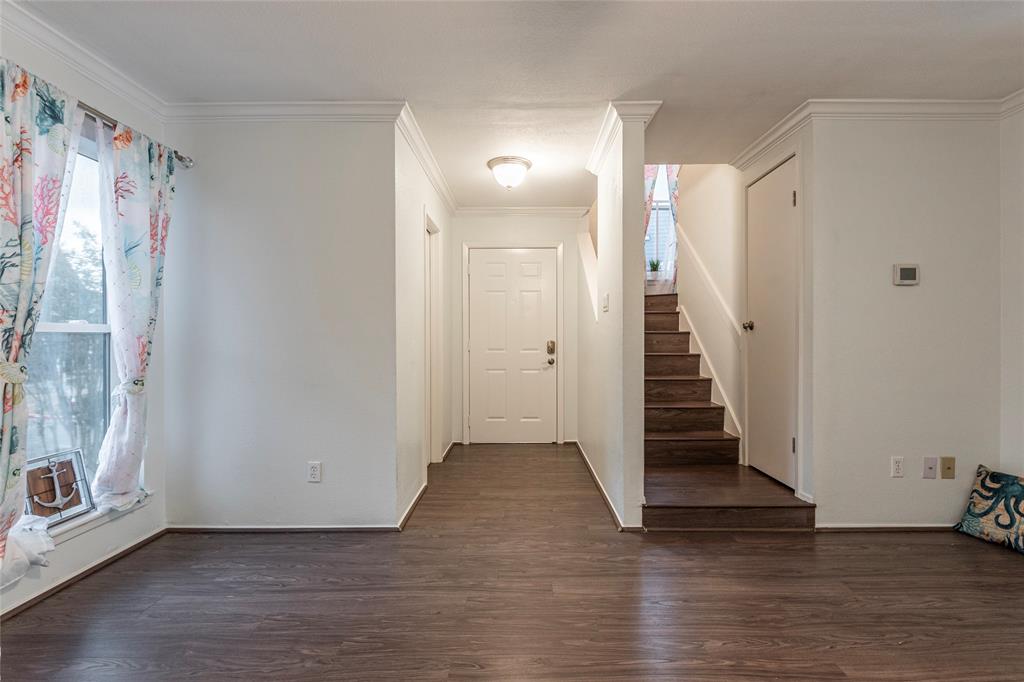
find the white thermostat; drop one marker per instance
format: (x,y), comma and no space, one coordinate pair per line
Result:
(906,274)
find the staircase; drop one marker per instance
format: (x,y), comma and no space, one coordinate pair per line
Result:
(692,476)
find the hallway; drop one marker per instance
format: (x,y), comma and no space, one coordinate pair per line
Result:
(510,568)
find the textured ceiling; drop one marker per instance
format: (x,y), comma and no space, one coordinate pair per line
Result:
(532,79)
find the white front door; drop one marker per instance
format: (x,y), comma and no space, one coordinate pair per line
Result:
(512,319)
(772,261)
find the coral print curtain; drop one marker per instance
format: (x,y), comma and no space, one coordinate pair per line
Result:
(37,138)
(672,174)
(137,180)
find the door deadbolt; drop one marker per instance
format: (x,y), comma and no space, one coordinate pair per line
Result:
(749,325)
(551,348)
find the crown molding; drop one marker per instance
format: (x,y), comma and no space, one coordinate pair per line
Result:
(541,211)
(643,110)
(614,115)
(329,112)
(878,110)
(17,19)
(1013,104)
(410,129)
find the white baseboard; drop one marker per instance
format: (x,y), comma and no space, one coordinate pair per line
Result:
(247,528)
(893,527)
(447,450)
(412,505)
(604,493)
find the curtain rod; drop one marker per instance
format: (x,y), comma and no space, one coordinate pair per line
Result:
(185,161)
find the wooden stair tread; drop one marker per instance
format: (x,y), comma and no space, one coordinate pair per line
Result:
(690,435)
(682,403)
(674,353)
(677,377)
(664,331)
(670,293)
(715,485)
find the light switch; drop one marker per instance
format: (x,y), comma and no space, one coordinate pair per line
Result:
(605,303)
(931,467)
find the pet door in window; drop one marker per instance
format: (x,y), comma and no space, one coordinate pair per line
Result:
(57,486)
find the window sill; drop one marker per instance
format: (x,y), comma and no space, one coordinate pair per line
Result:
(87,522)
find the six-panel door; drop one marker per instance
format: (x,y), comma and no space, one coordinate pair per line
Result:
(512,317)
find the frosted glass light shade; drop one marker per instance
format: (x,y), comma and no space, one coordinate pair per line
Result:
(509,171)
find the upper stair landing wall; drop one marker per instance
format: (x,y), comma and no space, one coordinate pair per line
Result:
(711,281)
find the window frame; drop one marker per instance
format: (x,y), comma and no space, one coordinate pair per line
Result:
(110,378)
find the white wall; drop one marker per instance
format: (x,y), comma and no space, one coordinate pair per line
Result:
(911,371)
(22,44)
(415,198)
(497,229)
(611,347)
(1011,199)
(280,319)
(712,273)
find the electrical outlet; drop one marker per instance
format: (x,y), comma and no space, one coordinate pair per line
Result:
(931,467)
(313,472)
(948,465)
(896,467)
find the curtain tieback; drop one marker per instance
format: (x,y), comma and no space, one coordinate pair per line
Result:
(13,372)
(130,387)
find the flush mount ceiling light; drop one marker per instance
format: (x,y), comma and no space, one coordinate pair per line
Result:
(509,171)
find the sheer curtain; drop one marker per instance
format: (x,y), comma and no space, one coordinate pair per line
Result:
(38,139)
(672,175)
(137,177)
(650,180)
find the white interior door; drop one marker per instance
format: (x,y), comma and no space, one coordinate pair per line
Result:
(512,319)
(772,260)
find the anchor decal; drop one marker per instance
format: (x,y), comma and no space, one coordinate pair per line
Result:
(59,500)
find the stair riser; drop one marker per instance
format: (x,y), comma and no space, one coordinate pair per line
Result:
(673,453)
(689,389)
(660,303)
(667,365)
(683,419)
(661,322)
(726,518)
(667,343)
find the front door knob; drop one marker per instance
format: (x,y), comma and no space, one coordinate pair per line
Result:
(551,361)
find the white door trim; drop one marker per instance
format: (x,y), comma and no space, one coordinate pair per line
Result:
(560,329)
(790,148)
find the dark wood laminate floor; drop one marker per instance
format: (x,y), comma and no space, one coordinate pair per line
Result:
(511,569)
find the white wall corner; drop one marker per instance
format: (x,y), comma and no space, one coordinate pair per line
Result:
(614,115)
(413,134)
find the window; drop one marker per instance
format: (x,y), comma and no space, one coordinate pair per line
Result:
(68,390)
(661,233)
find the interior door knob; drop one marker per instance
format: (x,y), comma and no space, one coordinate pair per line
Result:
(551,361)
(749,325)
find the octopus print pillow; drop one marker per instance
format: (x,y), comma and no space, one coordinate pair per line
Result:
(995,509)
